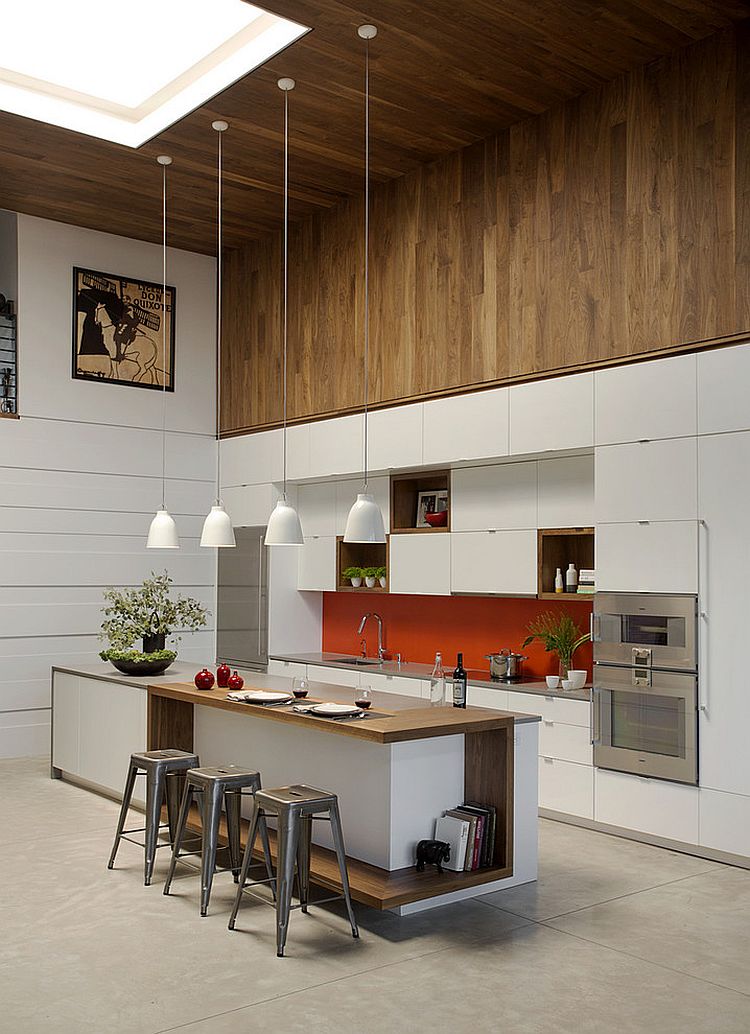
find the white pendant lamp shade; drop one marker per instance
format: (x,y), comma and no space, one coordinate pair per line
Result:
(284,528)
(217,528)
(365,521)
(218,532)
(163,532)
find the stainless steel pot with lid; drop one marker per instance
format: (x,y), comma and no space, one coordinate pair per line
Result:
(505,664)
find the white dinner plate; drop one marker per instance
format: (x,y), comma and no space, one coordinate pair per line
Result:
(334,710)
(261,696)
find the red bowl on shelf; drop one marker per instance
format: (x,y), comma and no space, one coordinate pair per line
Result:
(437,520)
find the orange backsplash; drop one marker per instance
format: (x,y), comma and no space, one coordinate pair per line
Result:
(417,626)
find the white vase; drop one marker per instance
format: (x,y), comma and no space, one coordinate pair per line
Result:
(370,583)
(382,582)
(356,582)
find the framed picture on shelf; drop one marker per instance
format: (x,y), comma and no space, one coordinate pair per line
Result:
(120,334)
(430,502)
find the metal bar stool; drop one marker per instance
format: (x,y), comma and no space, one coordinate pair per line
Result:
(212,785)
(294,807)
(165,774)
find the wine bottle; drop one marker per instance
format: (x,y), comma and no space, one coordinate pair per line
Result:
(459,683)
(437,682)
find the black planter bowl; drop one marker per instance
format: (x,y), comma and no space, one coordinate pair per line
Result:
(142,667)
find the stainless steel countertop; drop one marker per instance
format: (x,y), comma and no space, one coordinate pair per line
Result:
(424,671)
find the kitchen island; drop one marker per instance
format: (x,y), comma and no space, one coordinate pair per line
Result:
(394,771)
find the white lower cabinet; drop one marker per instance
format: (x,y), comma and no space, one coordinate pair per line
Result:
(479,696)
(648,805)
(650,557)
(97,725)
(551,708)
(287,669)
(566,787)
(493,562)
(336,676)
(66,705)
(421,564)
(382,683)
(565,743)
(725,821)
(317,564)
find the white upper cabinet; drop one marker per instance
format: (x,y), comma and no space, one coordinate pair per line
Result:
(316,505)
(647,481)
(466,427)
(646,400)
(346,496)
(336,446)
(251,459)
(250,506)
(658,557)
(298,452)
(500,562)
(395,437)
(566,492)
(421,564)
(552,415)
(317,563)
(500,495)
(723,397)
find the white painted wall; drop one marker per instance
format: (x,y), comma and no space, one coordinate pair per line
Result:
(80,472)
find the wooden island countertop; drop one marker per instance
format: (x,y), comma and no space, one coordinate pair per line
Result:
(392,719)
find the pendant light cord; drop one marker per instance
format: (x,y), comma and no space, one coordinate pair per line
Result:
(286,270)
(164,339)
(219,246)
(367,252)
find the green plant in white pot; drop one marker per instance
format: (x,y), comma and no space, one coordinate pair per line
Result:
(381,576)
(148,613)
(370,575)
(354,575)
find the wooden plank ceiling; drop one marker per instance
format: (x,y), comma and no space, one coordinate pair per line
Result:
(443,75)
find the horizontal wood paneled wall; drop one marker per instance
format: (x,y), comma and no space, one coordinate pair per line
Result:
(612,227)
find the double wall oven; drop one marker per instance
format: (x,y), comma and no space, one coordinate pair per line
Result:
(645,694)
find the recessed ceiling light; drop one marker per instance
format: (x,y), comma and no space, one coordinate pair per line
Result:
(124,72)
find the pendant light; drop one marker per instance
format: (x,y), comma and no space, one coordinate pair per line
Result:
(217,527)
(365,520)
(163,531)
(284,527)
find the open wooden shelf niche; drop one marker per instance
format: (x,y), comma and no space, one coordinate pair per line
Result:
(558,547)
(360,554)
(405,489)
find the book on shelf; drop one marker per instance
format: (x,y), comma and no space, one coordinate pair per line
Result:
(457,813)
(490,816)
(454,832)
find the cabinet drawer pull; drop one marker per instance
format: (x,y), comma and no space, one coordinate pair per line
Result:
(547,722)
(547,761)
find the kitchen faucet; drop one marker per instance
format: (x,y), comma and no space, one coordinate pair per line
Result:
(360,630)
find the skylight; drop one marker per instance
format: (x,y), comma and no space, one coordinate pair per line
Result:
(126,71)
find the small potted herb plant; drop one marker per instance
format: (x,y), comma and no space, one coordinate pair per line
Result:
(354,574)
(560,634)
(148,613)
(381,576)
(370,575)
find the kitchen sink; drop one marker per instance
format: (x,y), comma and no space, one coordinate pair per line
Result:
(359,662)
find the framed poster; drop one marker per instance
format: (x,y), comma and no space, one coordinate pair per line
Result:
(119,335)
(434,501)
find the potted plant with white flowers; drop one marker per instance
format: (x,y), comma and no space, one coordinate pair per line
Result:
(148,613)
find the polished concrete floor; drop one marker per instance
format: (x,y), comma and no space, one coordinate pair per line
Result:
(616,936)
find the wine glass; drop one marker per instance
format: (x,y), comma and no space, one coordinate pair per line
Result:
(300,688)
(363,697)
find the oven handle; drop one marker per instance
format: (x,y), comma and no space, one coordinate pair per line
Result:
(595,719)
(594,627)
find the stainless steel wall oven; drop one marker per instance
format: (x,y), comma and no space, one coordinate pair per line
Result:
(645,695)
